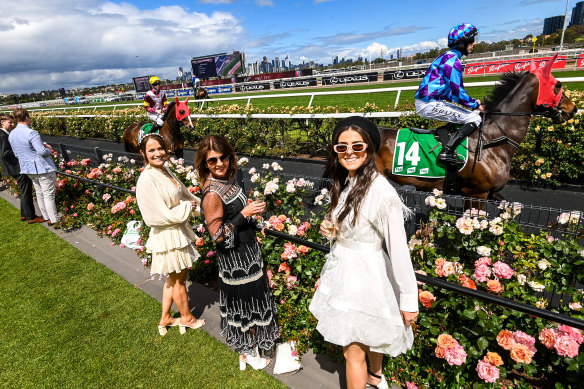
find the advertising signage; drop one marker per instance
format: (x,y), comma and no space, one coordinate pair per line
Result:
(220,65)
(253,87)
(295,83)
(519,65)
(403,74)
(349,79)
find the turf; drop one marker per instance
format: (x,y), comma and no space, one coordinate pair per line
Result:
(69,322)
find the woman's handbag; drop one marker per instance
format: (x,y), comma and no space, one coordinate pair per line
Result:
(131,235)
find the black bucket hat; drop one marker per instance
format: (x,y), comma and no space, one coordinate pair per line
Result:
(365,124)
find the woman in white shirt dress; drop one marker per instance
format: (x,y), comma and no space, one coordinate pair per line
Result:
(367,299)
(166,204)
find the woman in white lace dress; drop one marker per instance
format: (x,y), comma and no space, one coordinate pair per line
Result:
(367,299)
(166,204)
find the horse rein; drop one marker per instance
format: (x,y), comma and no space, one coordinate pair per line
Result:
(551,112)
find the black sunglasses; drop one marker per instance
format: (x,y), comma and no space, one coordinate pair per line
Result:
(156,83)
(214,160)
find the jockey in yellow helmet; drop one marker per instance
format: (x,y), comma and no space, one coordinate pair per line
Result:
(155,103)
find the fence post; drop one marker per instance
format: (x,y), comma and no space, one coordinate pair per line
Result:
(397,98)
(98,155)
(64,152)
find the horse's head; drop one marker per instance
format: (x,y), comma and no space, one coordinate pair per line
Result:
(183,114)
(550,99)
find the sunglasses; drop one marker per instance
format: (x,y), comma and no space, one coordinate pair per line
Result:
(156,83)
(213,160)
(355,147)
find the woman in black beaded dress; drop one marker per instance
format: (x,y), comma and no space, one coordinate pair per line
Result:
(248,311)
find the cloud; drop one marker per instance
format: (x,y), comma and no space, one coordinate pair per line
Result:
(92,40)
(264,3)
(347,38)
(532,2)
(321,1)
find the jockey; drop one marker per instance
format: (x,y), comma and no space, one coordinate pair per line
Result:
(196,84)
(155,103)
(442,86)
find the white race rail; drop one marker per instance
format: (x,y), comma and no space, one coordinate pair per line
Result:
(300,94)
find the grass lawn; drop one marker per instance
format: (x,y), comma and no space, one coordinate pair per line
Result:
(69,322)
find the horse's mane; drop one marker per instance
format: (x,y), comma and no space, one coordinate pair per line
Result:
(170,107)
(507,82)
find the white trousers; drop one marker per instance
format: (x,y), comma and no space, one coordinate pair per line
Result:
(447,112)
(155,117)
(44,186)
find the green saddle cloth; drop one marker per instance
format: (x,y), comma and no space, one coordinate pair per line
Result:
(412,156)
(146,129)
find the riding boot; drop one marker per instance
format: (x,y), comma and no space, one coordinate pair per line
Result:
(155,128)
(448,153)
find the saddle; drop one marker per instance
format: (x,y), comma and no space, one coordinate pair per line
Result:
(443,134)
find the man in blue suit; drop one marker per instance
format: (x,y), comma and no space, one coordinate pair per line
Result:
(10,167)
(35,161)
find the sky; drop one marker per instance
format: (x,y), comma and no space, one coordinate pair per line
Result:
(51,44)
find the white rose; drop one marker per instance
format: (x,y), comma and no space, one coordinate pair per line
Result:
(522,278)
(543,264)
(252,171)
(255,177)
(292,229)
(536,286)
(440,203)
(266,165)
(483,251)
(290,188)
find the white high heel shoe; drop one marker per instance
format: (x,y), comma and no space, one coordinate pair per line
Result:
(381,385)
(183,327)
(162,330)
(256,362)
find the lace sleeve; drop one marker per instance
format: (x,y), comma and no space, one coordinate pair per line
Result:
(387,216)
(222,232)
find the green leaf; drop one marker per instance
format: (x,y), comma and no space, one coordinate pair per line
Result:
(483,343)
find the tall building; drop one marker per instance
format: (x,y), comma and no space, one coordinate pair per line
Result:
(577,15)
(553,24)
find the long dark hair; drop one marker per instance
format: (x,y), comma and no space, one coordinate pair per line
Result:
(219,144)
(339,174)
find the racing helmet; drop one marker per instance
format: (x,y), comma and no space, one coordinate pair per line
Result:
(154,79)
(461,34)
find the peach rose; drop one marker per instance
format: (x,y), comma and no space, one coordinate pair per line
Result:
(426,298)
(439,352)
(505,339)
(446,341)
(284,267)
(520,353)
(494,286)
(469,283)
(302,249)
(440,262)
(493,358)
(282,217)
(279,226)
(547,336)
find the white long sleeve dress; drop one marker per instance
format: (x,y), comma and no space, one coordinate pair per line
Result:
(362,289)
(165,206)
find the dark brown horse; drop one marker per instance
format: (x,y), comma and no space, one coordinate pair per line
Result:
(508,113)
(176,115)
(201,93)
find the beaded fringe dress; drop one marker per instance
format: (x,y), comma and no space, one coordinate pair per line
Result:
(248,311)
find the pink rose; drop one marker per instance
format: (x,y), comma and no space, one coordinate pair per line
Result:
(411,385)
(566,346)
(574,333)
(487,372)
(122,245)
(483,261)
(524,339)
(502,270)
(90,206)
(206,261)
(455,355)
(291,282)
(482,272)
(547,337)
(210,254)
(575,306)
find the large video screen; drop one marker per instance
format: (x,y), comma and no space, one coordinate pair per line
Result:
(142,84)
(227,65)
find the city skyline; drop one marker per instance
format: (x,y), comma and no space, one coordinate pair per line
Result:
(53,44)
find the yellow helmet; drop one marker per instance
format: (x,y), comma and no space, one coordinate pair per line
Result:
(154,79)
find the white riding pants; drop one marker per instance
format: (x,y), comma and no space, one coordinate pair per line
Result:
(447,112)
(155,117)
(44,187)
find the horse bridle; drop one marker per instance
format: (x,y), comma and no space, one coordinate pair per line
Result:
(550,112)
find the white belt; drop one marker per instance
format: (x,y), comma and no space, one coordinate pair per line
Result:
(359,246)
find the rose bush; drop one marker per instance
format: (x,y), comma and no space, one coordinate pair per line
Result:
(459,341)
